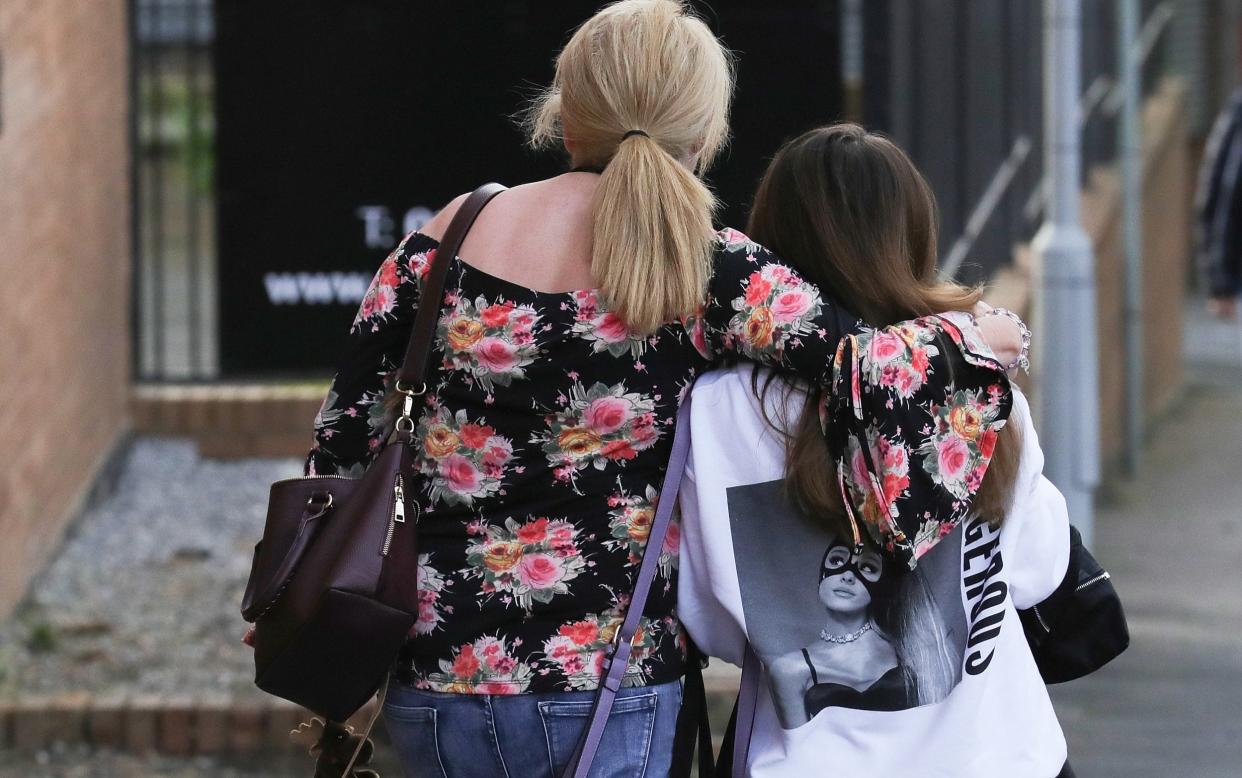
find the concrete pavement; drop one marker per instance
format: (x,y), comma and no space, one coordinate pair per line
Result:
(1172,539)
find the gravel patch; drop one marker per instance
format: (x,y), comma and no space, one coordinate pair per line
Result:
(143,596)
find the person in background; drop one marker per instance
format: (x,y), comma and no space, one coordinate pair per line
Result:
(1218,211)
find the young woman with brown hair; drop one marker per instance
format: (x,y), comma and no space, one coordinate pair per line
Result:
(908,658)
(579,310)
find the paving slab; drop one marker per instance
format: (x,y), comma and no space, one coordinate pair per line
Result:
(1172,539)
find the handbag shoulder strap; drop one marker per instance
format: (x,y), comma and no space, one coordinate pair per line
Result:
(414,367)
(610,683)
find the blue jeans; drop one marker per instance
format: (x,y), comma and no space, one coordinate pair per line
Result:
(529,735)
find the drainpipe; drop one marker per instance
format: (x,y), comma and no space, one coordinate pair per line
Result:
(852,58)
(1130,147)
(1067,350)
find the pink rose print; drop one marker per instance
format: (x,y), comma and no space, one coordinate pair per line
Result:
(420,263)
(776,307)
(499,451)
(597,663)
(612,329)
(490,343)
(486,666)
(466,458)
(630,517)
(579,648)
(885,347)
(496,355)
(528,562)
(895,457)
(731,237)
(539,571)
(791,305)
(603,329)
(954,455)
(581,632)
(587,305)
(561,540)
(607,414)
(499,687)
(672,538)
(460,474)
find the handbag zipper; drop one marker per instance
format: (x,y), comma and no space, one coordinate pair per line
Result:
(1104,576)
(1040,618)
(308,477)
(398,512)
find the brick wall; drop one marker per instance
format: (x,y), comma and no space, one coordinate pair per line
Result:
(64,267)
(1168,180)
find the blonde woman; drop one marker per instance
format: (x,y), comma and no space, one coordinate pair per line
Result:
(579,310)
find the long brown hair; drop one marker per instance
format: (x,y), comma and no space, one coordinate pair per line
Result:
(850,212)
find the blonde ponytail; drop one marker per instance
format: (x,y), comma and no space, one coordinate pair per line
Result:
(642,90)
(653,236)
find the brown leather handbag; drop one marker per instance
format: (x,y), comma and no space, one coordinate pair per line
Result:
(332,589)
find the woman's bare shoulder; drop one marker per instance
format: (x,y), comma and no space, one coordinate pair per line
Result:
(436,226)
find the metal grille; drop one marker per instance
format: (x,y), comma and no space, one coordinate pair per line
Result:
(172,137)
(965,100)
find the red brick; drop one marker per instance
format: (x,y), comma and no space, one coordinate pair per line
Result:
(30,724)
(64,160)
(142,724)
(211,726)
(176,726)
(105,726)
(283,718)
(6,724)
(67,716)
(248,728)
(198,414)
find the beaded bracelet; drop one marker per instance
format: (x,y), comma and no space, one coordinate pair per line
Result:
(1023,360)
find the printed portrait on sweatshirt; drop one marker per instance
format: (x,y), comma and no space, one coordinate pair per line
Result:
(840,627)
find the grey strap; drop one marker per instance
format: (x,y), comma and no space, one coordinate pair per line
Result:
(580,764)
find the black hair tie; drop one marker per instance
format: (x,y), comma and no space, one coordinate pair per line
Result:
(635,132)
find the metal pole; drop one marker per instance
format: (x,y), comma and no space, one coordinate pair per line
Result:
(1067,346)
(852,58)
(1130,149)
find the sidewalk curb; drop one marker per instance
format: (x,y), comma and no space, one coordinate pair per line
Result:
(173,725)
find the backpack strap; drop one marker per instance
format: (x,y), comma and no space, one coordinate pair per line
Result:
(735,748)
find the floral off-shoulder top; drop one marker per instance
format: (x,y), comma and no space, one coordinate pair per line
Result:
(547,429)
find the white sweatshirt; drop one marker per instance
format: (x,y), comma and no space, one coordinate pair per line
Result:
(940,682)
